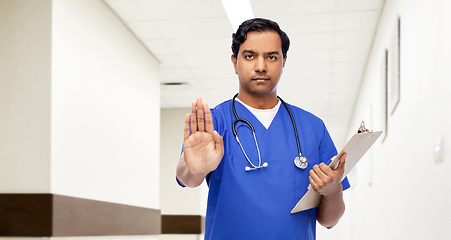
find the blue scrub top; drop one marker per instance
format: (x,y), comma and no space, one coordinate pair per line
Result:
(257,204)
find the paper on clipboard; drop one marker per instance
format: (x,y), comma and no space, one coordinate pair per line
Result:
(356,147)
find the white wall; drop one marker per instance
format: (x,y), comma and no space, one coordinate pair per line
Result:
(105,107)
(25,47)
(399,191)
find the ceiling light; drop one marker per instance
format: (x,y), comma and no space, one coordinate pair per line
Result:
(175,86)
(237,11)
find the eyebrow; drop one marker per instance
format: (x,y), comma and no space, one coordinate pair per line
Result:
(253,52)
(248,51)
(272,53)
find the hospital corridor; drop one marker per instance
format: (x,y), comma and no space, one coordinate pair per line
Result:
(94,97)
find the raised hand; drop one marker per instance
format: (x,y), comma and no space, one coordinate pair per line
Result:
(203,147)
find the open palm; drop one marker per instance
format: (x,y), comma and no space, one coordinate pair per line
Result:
(203,146)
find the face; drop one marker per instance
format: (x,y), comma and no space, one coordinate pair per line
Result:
(259,64)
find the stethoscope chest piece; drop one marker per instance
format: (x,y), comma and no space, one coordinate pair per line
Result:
(301,162)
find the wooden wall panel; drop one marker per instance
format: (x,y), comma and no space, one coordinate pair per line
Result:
(181,224)
(84,217)
(50,215)
(28,215)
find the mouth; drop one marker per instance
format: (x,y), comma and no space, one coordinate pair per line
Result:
(260,79)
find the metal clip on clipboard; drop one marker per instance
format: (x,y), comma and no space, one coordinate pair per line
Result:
(362,128)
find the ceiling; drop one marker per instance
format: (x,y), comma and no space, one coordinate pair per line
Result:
(330,43)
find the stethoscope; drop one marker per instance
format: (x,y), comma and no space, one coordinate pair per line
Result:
(300,161)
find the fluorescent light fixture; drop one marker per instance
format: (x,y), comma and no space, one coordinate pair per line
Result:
(237,11)
(175,86)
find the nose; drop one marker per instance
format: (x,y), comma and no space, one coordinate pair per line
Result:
(260,65)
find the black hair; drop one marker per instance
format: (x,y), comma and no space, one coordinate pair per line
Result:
(258,25)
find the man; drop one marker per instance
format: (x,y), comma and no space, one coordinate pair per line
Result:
(248,199)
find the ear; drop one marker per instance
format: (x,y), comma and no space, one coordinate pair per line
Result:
(284,60)
(234,61)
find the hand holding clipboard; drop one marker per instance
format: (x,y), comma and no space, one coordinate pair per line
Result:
(356,147)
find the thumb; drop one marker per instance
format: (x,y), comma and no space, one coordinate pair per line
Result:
(341,164)
(219,144)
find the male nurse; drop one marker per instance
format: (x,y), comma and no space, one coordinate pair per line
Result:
(253,181)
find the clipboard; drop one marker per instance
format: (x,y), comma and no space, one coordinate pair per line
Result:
(356,147)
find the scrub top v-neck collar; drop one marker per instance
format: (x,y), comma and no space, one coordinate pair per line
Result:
(265,116)
(260,129)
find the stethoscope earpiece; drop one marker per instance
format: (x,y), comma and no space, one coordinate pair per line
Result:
(247,168)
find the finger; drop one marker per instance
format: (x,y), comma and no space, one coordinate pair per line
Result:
(316,179)
(208,119)
(326,169)
(200,115)
(321,171)
(193,118)
(186,132)
(313,183)
(219,143)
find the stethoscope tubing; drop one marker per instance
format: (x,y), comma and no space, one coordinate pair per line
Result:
(237,119)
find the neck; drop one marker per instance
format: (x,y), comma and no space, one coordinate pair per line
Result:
(259,102)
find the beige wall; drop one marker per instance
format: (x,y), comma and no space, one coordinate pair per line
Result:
(79,105)
(25,76)
(175,199)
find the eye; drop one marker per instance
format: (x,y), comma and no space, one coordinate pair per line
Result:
(248,56)
(272,57)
